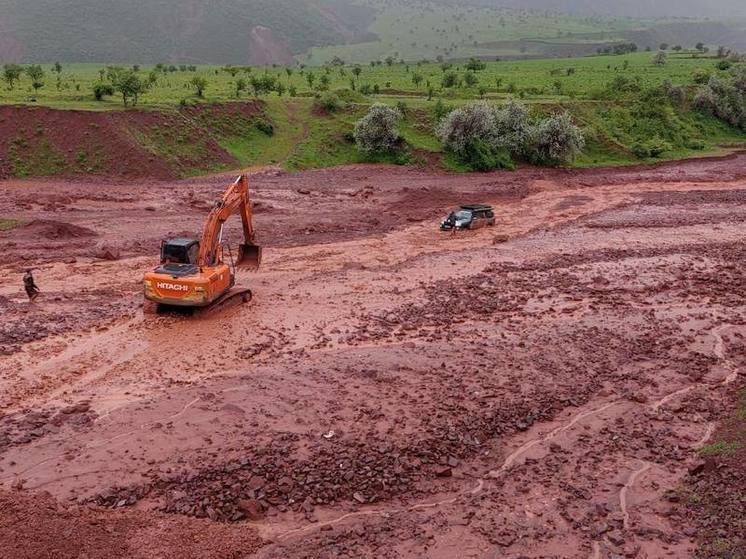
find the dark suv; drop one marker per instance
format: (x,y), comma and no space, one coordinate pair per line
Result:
(472,216)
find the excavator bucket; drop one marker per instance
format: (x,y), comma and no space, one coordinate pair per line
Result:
(249,256)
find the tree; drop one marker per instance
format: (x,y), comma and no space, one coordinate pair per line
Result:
(199,84)
(475,65)
(357,70)
(57,68)
(289,72)
(417,79)
(663,46)
(450,79)
(324,85)
(310,78)
(127,82)
(36,73)
(101,90)
(280,89)
(232,70)
(471,79)
(241,85)
(389,60)
(11,74)
(660,58)
(377,131)
(700,47)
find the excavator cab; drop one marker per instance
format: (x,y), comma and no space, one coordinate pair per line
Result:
(179,257)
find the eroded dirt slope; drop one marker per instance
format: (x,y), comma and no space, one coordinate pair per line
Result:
(532,390)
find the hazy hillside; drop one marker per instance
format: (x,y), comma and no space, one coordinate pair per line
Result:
(218,31)
(315,31)
(628,8)
(643,8)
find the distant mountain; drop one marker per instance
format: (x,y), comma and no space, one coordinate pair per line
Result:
(196,31)
(276,31)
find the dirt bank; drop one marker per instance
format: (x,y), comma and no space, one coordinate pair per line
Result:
(534,390)
(36,141)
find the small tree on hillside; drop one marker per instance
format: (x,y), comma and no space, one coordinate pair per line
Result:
(101,90)
(128,83)
(475,65)
(417,79)
(36,73)
(357,70)
(199,84)
(660,58)
(241,85)
(376,132)
(11,74)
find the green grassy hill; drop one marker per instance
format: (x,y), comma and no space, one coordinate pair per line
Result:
(608,96)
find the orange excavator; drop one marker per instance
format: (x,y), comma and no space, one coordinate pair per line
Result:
(194,272)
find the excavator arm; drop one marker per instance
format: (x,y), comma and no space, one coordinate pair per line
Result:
(234,200)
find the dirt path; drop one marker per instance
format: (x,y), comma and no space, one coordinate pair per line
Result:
(533,390)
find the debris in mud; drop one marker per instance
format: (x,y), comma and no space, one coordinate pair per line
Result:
(25,427)
(55,230)
(107,251)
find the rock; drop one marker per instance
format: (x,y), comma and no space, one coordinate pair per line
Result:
(359,497)
(285,484)
(697,468)
(106,251)
(443,471)
(615,537)
(251,508)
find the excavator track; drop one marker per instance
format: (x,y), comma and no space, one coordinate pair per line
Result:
(234,296)
(231,298)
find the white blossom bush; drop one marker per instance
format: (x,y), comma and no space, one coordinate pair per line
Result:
(463,126)
(513,127)
(485,137)
(376,132)
(556,140)
(724,99)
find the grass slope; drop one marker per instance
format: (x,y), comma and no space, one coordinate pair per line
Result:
(305,138)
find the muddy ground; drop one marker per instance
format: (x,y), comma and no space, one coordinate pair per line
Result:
(536,389)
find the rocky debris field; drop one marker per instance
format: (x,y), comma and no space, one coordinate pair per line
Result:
(565,384)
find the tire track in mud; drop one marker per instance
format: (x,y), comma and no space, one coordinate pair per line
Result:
(504,469)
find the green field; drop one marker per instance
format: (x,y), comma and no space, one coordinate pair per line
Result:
(547,80)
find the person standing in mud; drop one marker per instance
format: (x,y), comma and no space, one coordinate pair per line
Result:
(32,290)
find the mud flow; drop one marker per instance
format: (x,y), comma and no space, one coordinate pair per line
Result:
(535,389)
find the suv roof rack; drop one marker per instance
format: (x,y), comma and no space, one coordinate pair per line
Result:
(476,207)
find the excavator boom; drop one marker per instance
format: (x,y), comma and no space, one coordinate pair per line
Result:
(235,199)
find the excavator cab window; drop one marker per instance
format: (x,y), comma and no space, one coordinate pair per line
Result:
(179,252)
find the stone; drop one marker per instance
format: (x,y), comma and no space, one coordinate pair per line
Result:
(251,508)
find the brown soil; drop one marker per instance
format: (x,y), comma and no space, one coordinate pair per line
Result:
(43,141)
(533,390)
(36,526)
